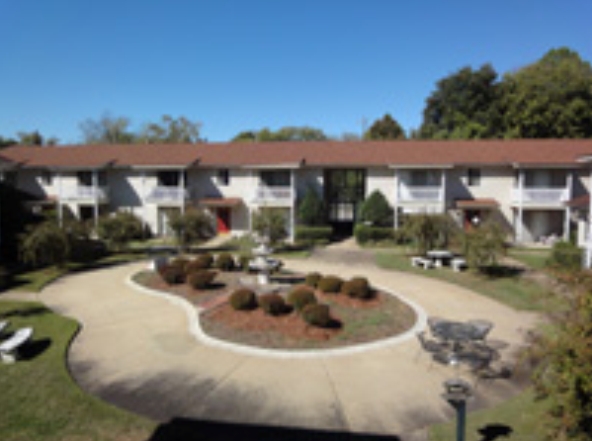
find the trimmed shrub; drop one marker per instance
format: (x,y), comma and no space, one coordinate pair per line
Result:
(330,284)
(566,255)
(201,262)
(312,279)
(180,262)
(358,288)
(243,299)
(301,296)
(313,235)
(244,262)
(172,274)
(201,279)
(368,233)
(272,304)
(317,315)
(376,210)
(311,209)
(225,262)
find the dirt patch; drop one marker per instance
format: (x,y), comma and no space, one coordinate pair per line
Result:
(355,321)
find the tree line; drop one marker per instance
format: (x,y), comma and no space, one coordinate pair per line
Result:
(550,98)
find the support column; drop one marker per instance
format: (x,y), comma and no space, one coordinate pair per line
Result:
(292,233)
(588,259)
(396,201)
(567,212)
(95,191)
(60,206)
(520,226)
(144,208)
(182,187)
(443,191)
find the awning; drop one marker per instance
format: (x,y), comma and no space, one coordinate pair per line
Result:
(476,204)
(220,202)
(579,202)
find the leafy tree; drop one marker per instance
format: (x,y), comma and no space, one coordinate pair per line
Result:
(551,98)
(107,130)
(464,105)
(311,210)
(385,128)
(7,142)
(171,130)
(484,245)
(44,244)
(270,223)
(376,210)
(30,138)
(283,134)
(192,226)
(119,229)
(564,372)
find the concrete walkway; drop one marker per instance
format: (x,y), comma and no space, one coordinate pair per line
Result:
(135,351)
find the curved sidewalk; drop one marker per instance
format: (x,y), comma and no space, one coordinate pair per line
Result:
(135,351)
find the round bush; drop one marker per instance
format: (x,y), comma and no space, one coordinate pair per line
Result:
(201,279)
(301,296)
(272,304)
(244,262)
(358,288)
(243,299)
(180,262)
(172,274)
(312,279)
(317,315)
(201,262)
(225,262)
(330,284)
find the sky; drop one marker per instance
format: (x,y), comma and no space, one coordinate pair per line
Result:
(237,65)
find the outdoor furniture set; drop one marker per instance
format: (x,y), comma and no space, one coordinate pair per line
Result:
(9,348)
(439,258)
(453,343)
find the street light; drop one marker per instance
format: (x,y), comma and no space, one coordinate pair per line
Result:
(457,392)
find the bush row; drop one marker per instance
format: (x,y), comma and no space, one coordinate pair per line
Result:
(368,233)
(357,287)
(318,235)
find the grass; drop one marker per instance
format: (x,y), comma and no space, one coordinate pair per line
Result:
(39,399)
(511,290)
(523,415)
(533,258)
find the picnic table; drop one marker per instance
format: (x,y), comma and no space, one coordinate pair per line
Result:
(440,256)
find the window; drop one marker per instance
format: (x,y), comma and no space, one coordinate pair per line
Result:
(425,178)
(473,177)
(46,178)
(223,177)
(276,178)
(170,178)
(85,178)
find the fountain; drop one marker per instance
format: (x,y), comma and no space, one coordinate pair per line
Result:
(263,265)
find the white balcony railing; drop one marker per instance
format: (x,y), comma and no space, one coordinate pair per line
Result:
(543,196)
(167,195)
(420,194)
(273,196)
(84,193)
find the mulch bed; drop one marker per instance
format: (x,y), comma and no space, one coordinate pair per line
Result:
(359,321)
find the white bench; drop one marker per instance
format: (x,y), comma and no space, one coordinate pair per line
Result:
(422,262)
(9,348)
(458,264)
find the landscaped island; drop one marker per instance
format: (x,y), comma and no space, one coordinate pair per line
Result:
(293,311)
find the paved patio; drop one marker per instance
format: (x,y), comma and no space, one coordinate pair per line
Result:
(135,351)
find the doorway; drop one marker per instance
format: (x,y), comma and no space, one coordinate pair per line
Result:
(223,220)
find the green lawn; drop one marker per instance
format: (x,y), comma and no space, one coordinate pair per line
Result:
(523,414)
(514,291)
(40,401)
(533,258)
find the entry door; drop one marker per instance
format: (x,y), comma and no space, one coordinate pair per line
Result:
(223,219)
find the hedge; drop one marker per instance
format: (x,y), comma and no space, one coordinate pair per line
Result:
(368,233)
(313,235)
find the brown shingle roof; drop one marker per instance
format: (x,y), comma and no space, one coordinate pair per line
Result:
(326,153)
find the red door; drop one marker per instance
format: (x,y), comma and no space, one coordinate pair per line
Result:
(223,220)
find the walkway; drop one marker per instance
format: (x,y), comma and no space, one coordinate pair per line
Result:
(135,351)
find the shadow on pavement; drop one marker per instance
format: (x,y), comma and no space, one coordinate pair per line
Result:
(198,430)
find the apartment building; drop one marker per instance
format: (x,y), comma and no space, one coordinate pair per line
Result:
(528,186)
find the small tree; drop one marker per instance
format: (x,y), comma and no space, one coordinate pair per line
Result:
(484,245)
(45,244)
(118,230)
(311,210)
(428,231)
(192,226)
(270,223)
(376,210)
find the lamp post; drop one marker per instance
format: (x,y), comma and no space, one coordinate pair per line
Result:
(457,392)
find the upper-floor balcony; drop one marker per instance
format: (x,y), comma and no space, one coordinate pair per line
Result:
(85,193)
(276,196)
(167,195)
(540,196)
(421,194)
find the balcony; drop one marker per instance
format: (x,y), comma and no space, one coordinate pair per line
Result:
(423,194)
(83,193)
(274,196)
(167,195)
(540,196)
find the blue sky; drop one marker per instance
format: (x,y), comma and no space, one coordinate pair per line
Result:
(235,65)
